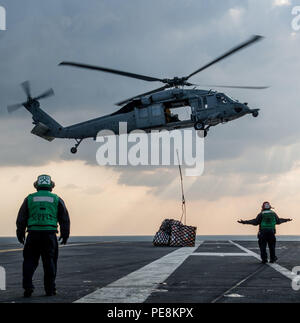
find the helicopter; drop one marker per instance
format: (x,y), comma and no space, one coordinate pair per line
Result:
(147,111)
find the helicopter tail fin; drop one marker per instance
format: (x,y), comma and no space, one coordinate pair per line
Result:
(45,126)
(41,130)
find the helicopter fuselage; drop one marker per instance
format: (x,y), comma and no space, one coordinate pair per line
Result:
(151,110)
(208,108)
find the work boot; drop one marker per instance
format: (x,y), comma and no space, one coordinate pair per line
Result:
(51,292)
(28,293)
(264,261)
(273,260)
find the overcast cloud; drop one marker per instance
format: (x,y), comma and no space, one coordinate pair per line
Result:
(163,39)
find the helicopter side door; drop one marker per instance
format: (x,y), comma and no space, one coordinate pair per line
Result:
(204,107)
(150,116)
(197,107)
(211,101)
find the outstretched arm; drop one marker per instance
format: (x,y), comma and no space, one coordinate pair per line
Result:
(281,220)
(255,221)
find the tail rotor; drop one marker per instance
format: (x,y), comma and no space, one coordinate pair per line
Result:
(27,89)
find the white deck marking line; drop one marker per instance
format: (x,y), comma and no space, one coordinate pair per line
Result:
(222,254)
(60,246)
(82,244)
(137,286)
(10,250)
(285,272)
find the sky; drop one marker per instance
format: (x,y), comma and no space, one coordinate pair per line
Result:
(247,161)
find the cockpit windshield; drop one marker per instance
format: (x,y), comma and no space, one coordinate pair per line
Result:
(231,99)
(221,97)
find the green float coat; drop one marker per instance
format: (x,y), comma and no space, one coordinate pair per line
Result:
(268,220)
(42,207)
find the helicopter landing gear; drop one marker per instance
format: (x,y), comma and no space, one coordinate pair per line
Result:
(74,149)
(200,126)
(255,114)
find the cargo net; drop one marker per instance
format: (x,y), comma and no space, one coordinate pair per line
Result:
(174,233)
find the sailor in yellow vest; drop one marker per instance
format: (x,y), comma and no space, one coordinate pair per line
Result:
(267,221)
(40,214)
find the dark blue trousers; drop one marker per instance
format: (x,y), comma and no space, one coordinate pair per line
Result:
(40,244)
(266,237)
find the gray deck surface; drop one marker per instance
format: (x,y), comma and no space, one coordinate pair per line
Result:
(84,268)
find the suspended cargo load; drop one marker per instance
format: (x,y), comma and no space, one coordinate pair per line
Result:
(161,239)
(174,233)
(182,235)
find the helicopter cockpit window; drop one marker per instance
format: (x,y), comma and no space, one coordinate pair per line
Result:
(221,98)
(232,99)
(205,102)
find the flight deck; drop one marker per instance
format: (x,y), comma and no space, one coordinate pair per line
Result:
(214,271)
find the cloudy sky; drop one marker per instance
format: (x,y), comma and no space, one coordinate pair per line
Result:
(246,161)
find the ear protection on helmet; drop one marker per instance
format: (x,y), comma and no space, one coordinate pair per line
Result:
(50,185)
(35,184)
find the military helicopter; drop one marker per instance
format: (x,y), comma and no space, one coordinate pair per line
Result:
(150,110)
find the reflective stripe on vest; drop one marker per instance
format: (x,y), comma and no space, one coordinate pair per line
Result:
(268,220)
(42,209)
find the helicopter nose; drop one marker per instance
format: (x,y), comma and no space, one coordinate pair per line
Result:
(238,108)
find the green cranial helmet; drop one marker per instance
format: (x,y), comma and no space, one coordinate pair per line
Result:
(44,181)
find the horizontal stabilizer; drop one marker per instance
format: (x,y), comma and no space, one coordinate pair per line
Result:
(41,130)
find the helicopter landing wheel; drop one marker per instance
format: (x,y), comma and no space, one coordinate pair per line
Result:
(255,114)
(199,126)
(73,150)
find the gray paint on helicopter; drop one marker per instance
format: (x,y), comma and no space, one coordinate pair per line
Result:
(72,33)
(147,111)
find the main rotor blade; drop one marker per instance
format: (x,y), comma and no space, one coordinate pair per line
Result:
(147,93)
(252,40)
(240,87)
(46,94)
(14,107)
(109,70)
(26,87)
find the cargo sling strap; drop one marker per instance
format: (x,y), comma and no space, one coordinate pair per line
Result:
(183,205)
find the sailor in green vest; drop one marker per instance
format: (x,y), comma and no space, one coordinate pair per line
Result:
(40,214)
(267,221)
